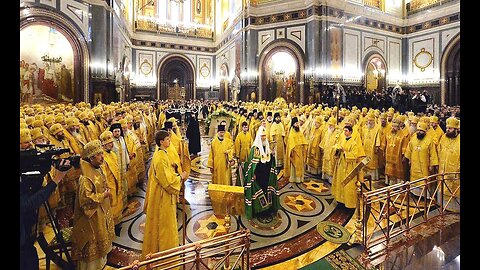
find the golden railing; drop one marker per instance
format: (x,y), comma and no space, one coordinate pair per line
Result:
(393,211)
(196,255)
(153,26)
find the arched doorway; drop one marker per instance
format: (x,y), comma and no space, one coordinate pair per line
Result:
(450,82)
(176,78)
(281,69)
(375,74)
(58,60)
(223,95)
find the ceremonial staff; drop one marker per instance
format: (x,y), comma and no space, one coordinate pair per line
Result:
(182,111)
(337,96)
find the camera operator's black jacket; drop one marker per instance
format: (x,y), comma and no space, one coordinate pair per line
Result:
(29,205)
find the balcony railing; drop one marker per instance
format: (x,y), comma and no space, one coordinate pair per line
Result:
(154,26)
(231,250)
(393,211)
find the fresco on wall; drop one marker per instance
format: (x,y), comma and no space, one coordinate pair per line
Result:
(46,65)
(335,50)
(281,77)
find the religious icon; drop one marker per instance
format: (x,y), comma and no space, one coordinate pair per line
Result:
(199,7)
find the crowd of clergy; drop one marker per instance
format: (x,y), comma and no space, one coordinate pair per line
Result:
(321,140)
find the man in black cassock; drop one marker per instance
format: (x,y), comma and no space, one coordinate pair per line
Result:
(193,135)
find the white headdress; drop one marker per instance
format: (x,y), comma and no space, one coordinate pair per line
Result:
(264,153)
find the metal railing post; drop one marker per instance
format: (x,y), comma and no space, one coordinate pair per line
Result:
(407,223)
(357,234)
(388,217)
(425,208)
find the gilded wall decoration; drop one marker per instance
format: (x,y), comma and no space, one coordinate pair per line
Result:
(145,67)
(204,71)
(423,59)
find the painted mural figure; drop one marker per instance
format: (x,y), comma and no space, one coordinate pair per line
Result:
(65,85)
(49,86)
(290,97)
(36,89)
(23,69)
(199,7)
(27,84)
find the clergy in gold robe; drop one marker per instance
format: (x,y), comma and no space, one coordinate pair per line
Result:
(130,141)
(314,158)
(220,158)
(90,128)
(449,161)
(371,144)
(296,155)
(435,130)
(348,153)
(161,119)
(141,135)
(384,128)
(259,121)
(254,124)
(120,149)
(422,157)
(276,138)
(112,173)
(68,186)
(139,158)
(175,140)
(329,140)
(164,186)
(395,146)
(72,133)
(93,227)
(243,143)
(227,135)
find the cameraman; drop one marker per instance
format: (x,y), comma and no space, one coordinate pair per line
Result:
(30,202)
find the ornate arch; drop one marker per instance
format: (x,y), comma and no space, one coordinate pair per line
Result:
(81,54)
(368,57)
(297,54)
(172,57)
(443,66)
(224,82)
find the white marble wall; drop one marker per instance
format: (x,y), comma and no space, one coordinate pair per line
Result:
(204,70)
(297,35)
(142,77)
(424,59)
(352,61)
(293,33)
(394,60)
(359,45)
(448,35)
(264,38)
(373,43)
(77,11)
(225,56)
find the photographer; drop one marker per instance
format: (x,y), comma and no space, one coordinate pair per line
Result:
(30,202)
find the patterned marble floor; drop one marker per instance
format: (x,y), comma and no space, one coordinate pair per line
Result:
(289,241)
(290,234)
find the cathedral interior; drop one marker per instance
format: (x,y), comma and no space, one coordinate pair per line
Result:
(107,51)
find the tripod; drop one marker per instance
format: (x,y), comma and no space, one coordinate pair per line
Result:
(50,250)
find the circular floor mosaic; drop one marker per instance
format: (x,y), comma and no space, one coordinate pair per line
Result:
(303,206)
(333,232)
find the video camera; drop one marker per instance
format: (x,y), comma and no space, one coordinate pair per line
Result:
(35,164)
